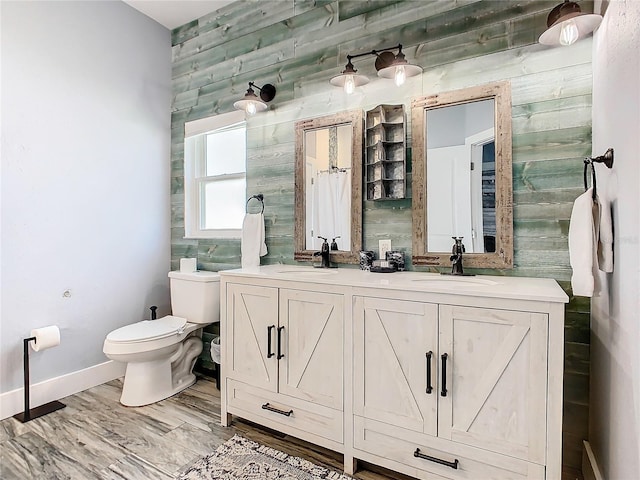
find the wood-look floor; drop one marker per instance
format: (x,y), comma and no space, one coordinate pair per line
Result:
(95,437)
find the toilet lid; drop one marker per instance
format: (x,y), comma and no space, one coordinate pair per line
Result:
(147,330)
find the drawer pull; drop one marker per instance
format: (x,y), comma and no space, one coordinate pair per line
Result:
(280,354)
(444,375)
(269,352)
(453,464)
(429,387)
(266,406)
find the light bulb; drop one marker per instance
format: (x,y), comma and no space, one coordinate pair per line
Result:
(569,33)
(251,108)
(349,84)
(400,75)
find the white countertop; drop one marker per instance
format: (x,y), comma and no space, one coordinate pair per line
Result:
(519,288)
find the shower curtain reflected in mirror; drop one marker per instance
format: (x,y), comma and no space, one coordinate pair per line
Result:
(331,198)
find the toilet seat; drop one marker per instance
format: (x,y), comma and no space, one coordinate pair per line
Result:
(160,354)
(148,330)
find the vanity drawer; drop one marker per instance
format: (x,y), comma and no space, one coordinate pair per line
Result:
(270,409)
(394,448)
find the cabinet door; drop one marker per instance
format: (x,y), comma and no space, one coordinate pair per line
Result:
(496,373)
(252,322)
(392,341)
(312,346)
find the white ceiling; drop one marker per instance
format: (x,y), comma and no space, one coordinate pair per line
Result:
(174,13)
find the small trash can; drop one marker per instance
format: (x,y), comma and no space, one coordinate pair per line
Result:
(215,356)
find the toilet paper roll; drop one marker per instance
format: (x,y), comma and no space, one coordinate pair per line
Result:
(188,265)
(46,337)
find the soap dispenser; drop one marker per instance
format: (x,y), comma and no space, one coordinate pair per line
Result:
(324,254)
(334,245)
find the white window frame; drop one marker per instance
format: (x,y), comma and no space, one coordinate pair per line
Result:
(194,171)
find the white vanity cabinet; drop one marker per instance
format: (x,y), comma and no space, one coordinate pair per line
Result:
(449,390)
(434,377)
(283,362)
(252,317)
(395,344)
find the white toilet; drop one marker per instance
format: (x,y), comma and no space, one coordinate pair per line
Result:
(160,354)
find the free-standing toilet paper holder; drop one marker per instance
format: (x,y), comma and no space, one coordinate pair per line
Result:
(32,413)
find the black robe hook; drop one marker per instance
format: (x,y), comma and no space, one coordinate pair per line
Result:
(607,159)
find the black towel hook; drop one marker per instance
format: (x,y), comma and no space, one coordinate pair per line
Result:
(607,159)
(258,197)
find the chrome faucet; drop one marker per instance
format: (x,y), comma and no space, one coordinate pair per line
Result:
(324,253)
(456,258)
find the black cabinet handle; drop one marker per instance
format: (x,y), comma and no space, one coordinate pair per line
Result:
(429,354)
(453,464)
(280,354)
(266,406)
(269,352)
(444,357)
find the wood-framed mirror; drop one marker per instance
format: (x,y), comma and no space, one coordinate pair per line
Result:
(328,186)
(462,181)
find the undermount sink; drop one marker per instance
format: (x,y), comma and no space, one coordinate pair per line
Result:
(456,281)
(308,271)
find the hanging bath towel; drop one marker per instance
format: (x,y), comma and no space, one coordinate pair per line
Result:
(605,236)
(252,244)
(582,243)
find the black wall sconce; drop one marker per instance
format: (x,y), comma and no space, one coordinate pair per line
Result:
(251,104)
(566,24)
(387,64)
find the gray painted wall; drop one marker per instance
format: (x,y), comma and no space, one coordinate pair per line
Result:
(85,178)
(614,419)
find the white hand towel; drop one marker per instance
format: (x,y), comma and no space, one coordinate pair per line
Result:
(252,245)
(582,244)
(605,237)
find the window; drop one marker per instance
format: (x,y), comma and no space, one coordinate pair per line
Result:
(215,176)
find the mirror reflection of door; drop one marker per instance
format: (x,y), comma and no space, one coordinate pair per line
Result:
(327,154)
(460,145)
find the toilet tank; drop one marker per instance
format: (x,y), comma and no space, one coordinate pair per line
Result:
(195,296)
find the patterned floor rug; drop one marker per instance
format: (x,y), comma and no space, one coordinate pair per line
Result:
(243,459)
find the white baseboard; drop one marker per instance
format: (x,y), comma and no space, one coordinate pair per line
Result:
(590,469)
(56,388)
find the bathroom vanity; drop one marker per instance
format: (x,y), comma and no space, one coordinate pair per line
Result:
(429,375)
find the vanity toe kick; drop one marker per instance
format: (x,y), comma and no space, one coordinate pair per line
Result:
(423,456)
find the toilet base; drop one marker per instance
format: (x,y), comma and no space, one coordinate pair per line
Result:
(151,381)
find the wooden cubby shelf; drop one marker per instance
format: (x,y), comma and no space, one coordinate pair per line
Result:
(385,174)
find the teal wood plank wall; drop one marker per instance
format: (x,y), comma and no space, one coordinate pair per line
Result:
(297,45)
